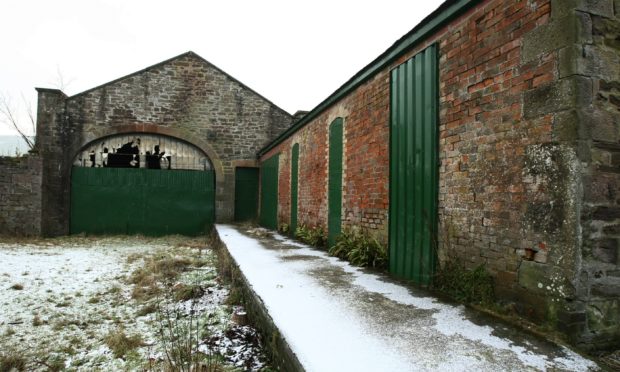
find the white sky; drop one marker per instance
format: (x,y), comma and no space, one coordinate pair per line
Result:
(294,53)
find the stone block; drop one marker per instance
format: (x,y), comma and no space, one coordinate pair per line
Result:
(560,8)
(606,213)
(562,95)
(590,60)
(533,276)
(612,230)
(606,250)
(557,34)
(604,316)
(609,287)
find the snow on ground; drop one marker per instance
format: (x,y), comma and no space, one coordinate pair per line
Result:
(59,299)
(337,317)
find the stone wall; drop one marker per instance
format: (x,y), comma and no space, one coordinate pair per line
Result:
(528,127)
(20,196)
(185,97)
(595,55)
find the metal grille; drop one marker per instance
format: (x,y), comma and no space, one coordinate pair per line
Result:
(146,151)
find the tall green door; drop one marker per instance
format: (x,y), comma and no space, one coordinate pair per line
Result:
(246,194)
(269,192)
(334,196)
(141,201)
(413,167)
(294,184)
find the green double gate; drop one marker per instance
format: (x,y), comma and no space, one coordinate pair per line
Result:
(413,167)
(141,201)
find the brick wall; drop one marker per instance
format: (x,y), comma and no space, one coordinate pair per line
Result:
(528,151)
(20,195)
(185,97)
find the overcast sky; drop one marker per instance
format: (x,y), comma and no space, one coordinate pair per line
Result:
(294,53)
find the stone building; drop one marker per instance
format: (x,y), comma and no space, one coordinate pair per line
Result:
(488,134)
(186,103)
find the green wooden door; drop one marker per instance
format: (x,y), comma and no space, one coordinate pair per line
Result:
(269,192)
(141,201)
(334,196)
(413,167)
(246,194)
(294,184)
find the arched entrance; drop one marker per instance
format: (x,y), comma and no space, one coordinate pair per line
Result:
(139,183)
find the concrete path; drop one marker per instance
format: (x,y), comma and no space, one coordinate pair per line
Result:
(336,317)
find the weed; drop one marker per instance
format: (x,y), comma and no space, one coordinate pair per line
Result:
(179,335)
(64,304)
(235,296)
(115,289)
(94,300)
(360,249)
(11,360)
(134,257)
(36,321)
(312,236)
(284,228)
(469,286)
(56,364)
(120,343)
(147,309)
(17,286)
(9,332)
(183,292)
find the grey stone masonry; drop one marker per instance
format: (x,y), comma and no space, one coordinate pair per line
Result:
(185,97)
(20,195)
(585,104)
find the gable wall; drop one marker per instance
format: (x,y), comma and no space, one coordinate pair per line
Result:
(185,97)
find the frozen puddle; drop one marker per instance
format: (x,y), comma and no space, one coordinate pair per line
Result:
(336,317)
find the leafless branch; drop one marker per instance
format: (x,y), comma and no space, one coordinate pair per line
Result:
(61,83)
(8,115)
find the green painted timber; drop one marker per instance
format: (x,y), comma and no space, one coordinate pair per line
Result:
(413,167)
(269,192)
(141,201)
(334,188)
(246,194)
(447,11)
(294,186)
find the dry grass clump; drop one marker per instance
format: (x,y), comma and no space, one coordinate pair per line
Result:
(158,268)
(184,292)
(120,343)
(37,321)
(11,360)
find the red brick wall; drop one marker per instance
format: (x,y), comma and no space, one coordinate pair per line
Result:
(528,148)
(480,84)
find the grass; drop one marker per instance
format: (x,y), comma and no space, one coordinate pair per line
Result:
(184,292)
(36,321)
(149,308)
(120,343)
(11,360)
(465,285)
(314,236)
(360,249)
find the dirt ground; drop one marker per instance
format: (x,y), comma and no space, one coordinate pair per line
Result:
(119,303)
